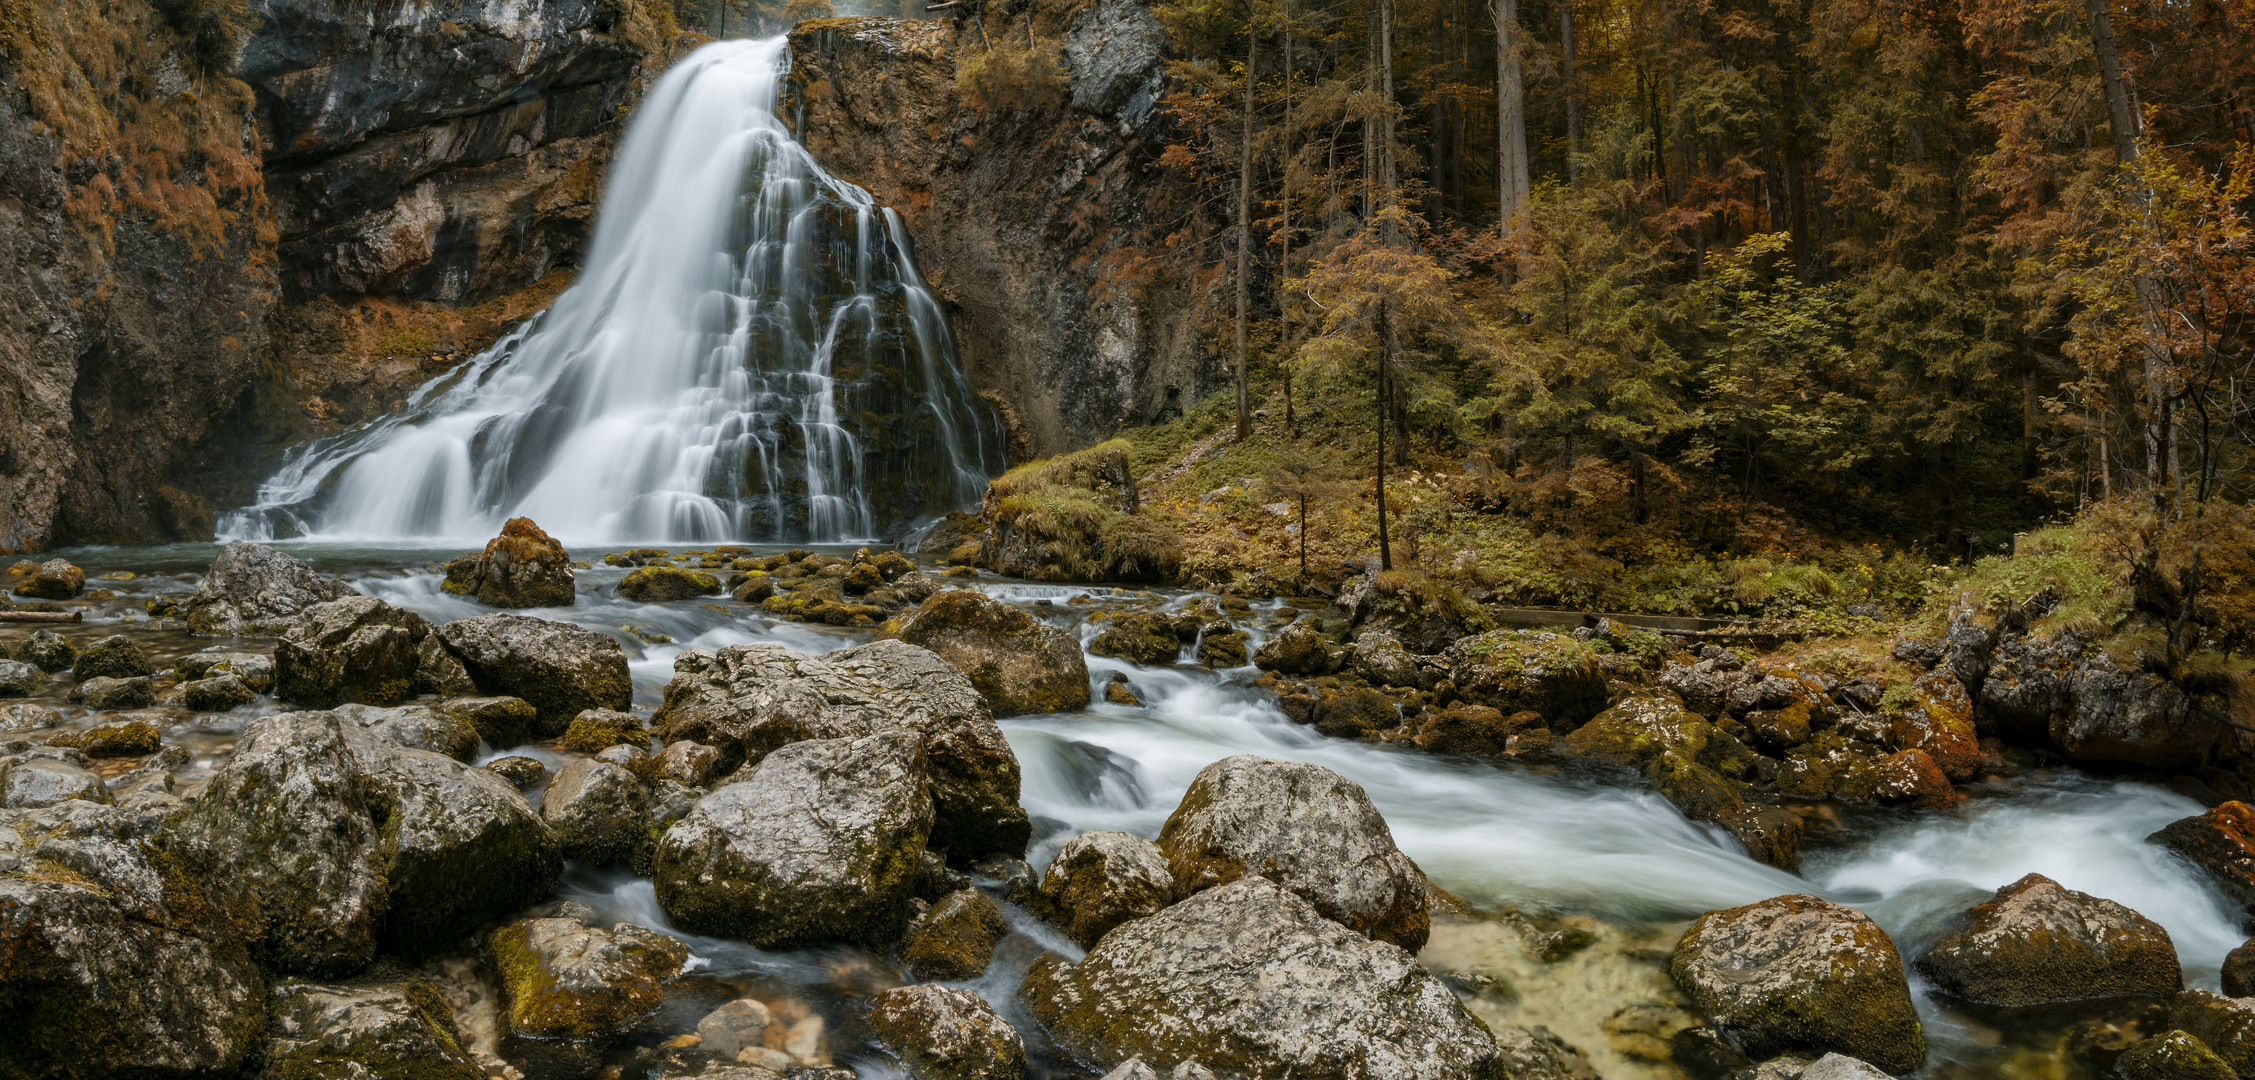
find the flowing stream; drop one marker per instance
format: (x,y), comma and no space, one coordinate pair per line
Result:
(748,354)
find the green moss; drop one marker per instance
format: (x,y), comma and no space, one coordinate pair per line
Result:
(662,584)
(596,729)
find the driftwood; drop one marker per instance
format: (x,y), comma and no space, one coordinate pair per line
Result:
(39,616)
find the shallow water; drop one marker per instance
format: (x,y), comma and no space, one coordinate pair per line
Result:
(1591,846)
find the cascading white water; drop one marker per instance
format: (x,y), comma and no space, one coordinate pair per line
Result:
(749,354)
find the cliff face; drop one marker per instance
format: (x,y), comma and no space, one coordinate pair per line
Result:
(1029,222)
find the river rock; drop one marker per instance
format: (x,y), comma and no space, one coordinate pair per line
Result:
(31,782)
(2037,943)
(1019,664)
(1299,649)
(350,1031)
(519,771)
(1134,1069)
(55,579)
(2239,971)
(104,693)
(666,584)
(2221,843)
(358,649)
(46,650)
(561,669)
(503,723)
(1306,828)
(113,657)
(254,589)
(599,812)
(1520,671)
(942,1033)
(523,567)
(1222,646)
(2172,1055)
(1253,981)
(116,964)
(1099,880)
(733,1028)
(569,990)
(1938,719)
(685,762)
(129,737)
(255,669)
(329,841)
(748,700)
(1140,637)
(1380,658)
(1796,973)
(217,694)
(595,729)
(819,844)
(18,679)
(2225,1025)
(954,939)
(419,727)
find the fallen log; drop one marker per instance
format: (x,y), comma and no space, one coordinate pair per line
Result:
(39,616)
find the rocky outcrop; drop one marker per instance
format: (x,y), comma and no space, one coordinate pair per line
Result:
(1099,880)
(1018,663)
(1251,981)
(946,1034)
(1798,974)
(2039,944)
(522,567)
(1517,671)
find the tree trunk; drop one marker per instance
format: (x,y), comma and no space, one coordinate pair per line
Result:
(1511,115)
(2159,439)
(1387,344)
(1573,95)
(1284,267)
(1245,230)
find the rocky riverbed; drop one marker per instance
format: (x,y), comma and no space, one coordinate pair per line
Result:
(745,812)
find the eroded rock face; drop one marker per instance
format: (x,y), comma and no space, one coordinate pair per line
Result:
(819,844)
(749,700)
(523,567)
(1798,974)
(1018,663)
(942,1033)
(1099,880)
(254,589)
(84,936)
(2039,944)
(1250,980)
(340,1032)
(561,669)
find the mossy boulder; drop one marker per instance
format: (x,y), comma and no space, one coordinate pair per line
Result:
(1464,728)
(1222,646)
(1355,712)
(2225,1024)
(217,694)
(820,844)
(113,657)
(350,1031)
(755,587)
(1796,974)
(55,579)
(942,1033)
(1523,671)
(502,722)
(595,729)
(2037,943)
(562,669)
(1018,663)
(105,693)
(1057,532)
(666,584)
(120,738)
(1099,880)
(599,812)
(358,649)
(519,771)
(46,650)
(1306,828)
(1640,729)
(1300,649)
(954,939)
(1935,715)
(2172,1055)
(2221,843)
(570,991)
(1140,637)
(254,589)
(418,727)
(523,567)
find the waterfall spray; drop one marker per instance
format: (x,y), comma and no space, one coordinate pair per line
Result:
(749,354)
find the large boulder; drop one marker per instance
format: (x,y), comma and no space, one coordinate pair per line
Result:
(749,700)
(1019,664)
(55,579)
(1299,649)
(1796,974)
(2124,714)
(819,844)
(1099,880)
(113,657)
(1252,981)
(523,567)
(2221,843)
(348,1032)
(666,584)
(328,842)
(570,990)
(358,649)
(1521,671)
(1305,828)
(254,589)
(561,669)
(599,812)
(2038,943)
(112,961)
(1143,637)
(946,1034)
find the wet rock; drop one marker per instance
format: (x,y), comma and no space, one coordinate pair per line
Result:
(666,584)
(1134,1069)
(2221,843)
(1099,880)
(327,841)
(2239,971)
(119,738)
(1911,777)
(819,844)
(2172,1055)
(946,1034)
(55,579)
(217,694)
(2225,1025)
(756,587)
(253,589)
(2133,716)
(1221,647)
(358,649)
(595,729)
(20,717)
(1251,979)
(1018,663)
(439,672)
(99,913)
(693,764)
(1936,716)
(599,812)
(2029,682)
(733,1028)
(1355,713)
(520,772)
(105,693)
(256,670)
(523,567)
(503,723)
(347,1032)
(419,727)
(1462,728)
(1306,828)
(1299,649)
(1380,658)
(563,670)
(31,782)
(2037,943)
(955,939)
(1641,729)
(18,679)
(569,990)
(46,650)
(113,657)
(1518,671)
(1118,692)
(1139,637)
(748,700)
(1796,973)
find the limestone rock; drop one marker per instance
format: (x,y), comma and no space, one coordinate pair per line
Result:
(685,762)
(2225,1025)
(46,650)
(955,939)
(1018,663)
(502,722)
(819,844)
(1222,646)
(217,694)
(103,693)
(30,782)
(666,584)
(1380,658)
(358,649)
(1796,973)
(1099,880)
(523,567)
(593,730)
(255,669)
(1305,828)
(346,1032)
(942,1033)
(1140,637)
(113,657)
(520,772)
(599,812)
(1250,980)
(55,579)
(1299,649)
(254,589)
(1521,671)
(569,990)
(748,700)
(733,1028)
(131,737)
(561,669)
(2037,943)
(2239,971)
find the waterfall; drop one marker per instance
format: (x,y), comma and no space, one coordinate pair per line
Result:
(749,354)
